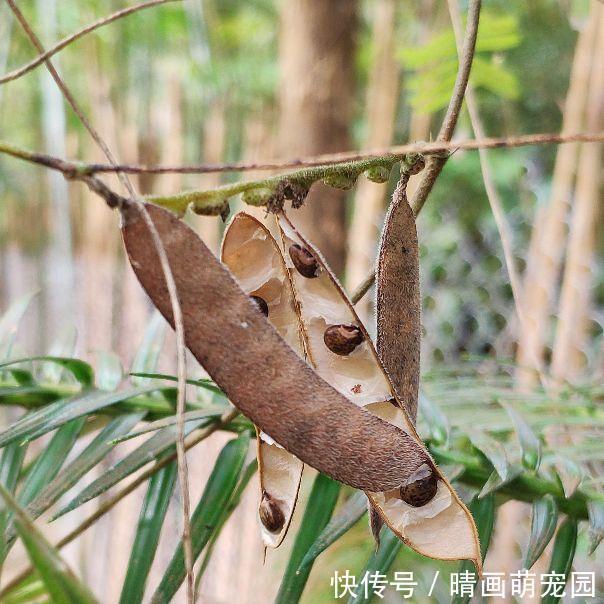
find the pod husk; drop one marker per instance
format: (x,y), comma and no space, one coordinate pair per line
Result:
(398,305)
(258,371)
(441,529)
(254,258)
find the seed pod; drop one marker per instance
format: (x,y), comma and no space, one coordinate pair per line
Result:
(379,174)
(420,487)
(340,181)
(270,514)
(343,339)
(442,528)
(261,304)
(304,261)
(398,305)
(253,256)
(281,394)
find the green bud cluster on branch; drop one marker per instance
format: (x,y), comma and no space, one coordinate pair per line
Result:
(273,191)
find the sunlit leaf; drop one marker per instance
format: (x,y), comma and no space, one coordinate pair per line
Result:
(544,517)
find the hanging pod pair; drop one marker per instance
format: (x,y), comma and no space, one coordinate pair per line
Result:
(307,375)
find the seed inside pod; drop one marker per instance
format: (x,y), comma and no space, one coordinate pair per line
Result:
(261,304)
(304,261)
(342,339)
(271,515)
(420,487)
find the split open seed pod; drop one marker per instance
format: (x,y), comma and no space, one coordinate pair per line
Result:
(424,511)
(256,368)
(254,257)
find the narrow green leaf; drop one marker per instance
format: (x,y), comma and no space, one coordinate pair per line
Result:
(379,562)
(217,492)
(52,416)
(150,523)
(529,443)
(201,382)
(29,396)
(495,482)
(9,322)
(10,468)
(189,416)
(49,462)
(319,509)
(62,585)
(348,515)
(433,416)
(80,370)
(595,511)
(47,465)
(483,512)
(563,553)
(109,372)
(95,452)
(246,476)
(150,450)
(31,589)
(23,377)
(544,518)
(493,450)
(63,345)
(147,355)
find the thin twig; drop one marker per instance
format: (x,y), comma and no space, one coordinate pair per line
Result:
(172,291)
(436,162)
(110,503)
(17,73)
(434,165)
(431,148)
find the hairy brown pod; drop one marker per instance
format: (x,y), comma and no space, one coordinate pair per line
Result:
(304,261)
(420,487)
(271,515)
(343,339)
(281,394)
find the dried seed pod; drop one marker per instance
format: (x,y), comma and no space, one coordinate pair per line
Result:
(253,256)
(271,514)
(379,174)
(343,339)
(282,394)
(442,528)
(304,261)
(261,304)
(420,487)
(398,306)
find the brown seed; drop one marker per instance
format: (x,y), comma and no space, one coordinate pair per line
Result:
(261,304)
(271,515)
(342,339)
(420,487)
(304,261)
